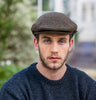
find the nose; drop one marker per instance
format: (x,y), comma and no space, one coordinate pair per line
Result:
(54,48)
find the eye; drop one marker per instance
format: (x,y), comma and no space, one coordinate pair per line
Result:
(47,41)
(61,42)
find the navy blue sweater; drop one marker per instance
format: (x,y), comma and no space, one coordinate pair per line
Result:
(29,84)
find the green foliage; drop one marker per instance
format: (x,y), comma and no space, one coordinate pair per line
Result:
(6,22)
(6,71)
(16,40)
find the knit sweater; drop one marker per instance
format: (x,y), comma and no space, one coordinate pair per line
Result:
(29,84)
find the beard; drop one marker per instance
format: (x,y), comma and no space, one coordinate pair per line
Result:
(46,64)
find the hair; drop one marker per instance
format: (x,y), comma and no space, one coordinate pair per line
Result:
(37,37)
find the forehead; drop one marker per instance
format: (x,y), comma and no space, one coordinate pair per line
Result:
(54,35)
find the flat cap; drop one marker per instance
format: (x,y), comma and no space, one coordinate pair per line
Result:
(54,22)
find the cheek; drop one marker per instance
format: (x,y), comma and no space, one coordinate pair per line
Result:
(64,50)
(44,50)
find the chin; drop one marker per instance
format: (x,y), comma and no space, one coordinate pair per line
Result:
(55,66)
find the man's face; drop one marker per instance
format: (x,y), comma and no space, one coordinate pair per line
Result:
(53,49)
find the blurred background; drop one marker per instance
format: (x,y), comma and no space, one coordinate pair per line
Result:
(16,40)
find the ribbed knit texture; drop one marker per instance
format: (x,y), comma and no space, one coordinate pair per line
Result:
(29,84)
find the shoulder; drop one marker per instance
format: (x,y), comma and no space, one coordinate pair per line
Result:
(19,79)
(83,83)
(80,76)
(17,85)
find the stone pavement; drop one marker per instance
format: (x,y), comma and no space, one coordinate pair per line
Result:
(83,57)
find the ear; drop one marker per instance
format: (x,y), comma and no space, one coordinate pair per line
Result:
(35,44)
(70,44)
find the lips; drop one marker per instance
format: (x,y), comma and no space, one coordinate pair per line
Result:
(54,58)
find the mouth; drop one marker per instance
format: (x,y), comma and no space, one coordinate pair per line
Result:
(54,58)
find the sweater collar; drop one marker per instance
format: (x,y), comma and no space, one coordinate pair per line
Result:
(42,78)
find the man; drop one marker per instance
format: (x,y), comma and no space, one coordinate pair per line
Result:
(51,78)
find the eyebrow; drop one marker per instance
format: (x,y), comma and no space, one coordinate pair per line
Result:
(44,37)
(64,38)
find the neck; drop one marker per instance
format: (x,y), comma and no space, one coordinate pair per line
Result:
(52,74)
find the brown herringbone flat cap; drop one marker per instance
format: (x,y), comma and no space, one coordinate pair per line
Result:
(54,22)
